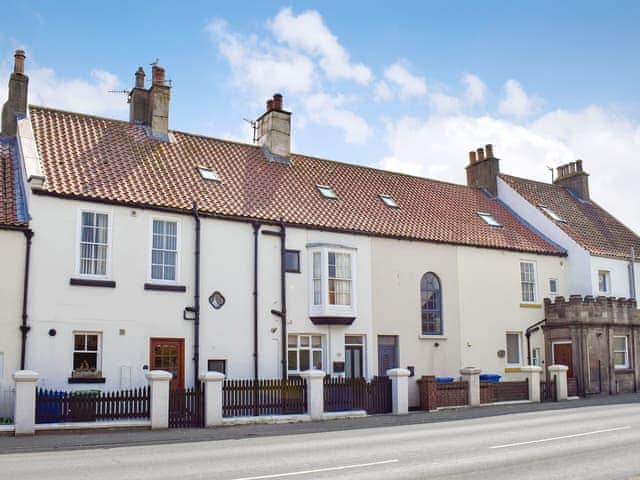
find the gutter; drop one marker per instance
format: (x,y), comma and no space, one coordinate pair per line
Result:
(196,298)
(282,313)
(24,327)
(256,229)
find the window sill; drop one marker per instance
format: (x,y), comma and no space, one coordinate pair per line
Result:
(90,282)
(623,370)
(163,287)
(514,369)
(87,380)
(432,337)
(530,305)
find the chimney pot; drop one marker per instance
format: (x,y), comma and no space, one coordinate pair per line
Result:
(18,66)
(579,165)
(140,78)
(489,150)
(277,101)
(480,154)
(472,157)
(269,105)
(157,75)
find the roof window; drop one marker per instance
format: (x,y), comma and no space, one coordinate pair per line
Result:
(388,201)
(327,192)
(209,174)
(552,214)
(489,220)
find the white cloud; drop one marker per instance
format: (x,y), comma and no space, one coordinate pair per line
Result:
(437,147)
(262,69)
(77,95)
(382,91)
(476,89)
(308,33)
(444,103)
(406,84)
(516,102)
(329,110)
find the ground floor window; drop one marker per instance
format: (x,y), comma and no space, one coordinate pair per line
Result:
(304,352)
(514,355)
(535,357)
(86,354)
(219,366)
(621,351)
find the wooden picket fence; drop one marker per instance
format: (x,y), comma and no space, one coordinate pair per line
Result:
(54,406)
(249,397)
(186,407)
(342,394)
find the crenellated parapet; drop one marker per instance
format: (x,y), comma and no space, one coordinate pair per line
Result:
(592,310)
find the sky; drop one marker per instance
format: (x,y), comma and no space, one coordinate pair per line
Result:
(404,86)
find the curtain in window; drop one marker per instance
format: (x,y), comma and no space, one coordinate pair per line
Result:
(431,301)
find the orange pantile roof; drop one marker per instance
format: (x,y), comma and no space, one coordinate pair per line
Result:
(8,200)
(107,160)
(588,224)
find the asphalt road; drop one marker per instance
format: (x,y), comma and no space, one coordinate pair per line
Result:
(584,443)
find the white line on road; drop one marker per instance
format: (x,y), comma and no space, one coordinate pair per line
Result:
(561,438)
(319,470)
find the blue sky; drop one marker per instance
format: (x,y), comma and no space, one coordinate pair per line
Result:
(405,86)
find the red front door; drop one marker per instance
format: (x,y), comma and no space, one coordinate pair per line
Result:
(168,354)
(562,355)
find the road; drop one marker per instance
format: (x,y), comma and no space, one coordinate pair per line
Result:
(599,442)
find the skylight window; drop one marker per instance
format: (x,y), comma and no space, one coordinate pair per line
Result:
(388,201)
(327,192)
(552,214)
(489,220)
(209,174)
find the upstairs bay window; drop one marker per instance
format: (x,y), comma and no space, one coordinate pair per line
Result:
(332,282)
(94,244)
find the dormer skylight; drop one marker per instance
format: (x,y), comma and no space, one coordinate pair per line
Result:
(209,174)
(489,220)
(327,192)
(552,214)
(388,201)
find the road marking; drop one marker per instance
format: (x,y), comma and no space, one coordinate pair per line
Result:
(319,470)
(595,432)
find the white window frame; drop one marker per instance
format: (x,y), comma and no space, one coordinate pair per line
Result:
(310,348)
(176,220)
(324,308)
(535,283)
(109,215)
(551,292)
(607,276)
(98,372)
(506,357)
(626,364)
(536,353)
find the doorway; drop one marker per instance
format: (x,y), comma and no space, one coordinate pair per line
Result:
(168,354)
(387,353)
(353,356)
(563,355)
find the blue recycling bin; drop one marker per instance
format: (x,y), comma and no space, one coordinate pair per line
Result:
(444,379)
(490,377)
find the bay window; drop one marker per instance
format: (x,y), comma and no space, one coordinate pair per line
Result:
(332,288)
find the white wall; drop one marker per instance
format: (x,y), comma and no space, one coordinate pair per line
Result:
(12,250)
(618,273)
(578,259)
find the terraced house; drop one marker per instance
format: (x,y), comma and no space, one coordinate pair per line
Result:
(158,249)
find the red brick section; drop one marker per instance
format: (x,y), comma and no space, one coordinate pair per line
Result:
(587,224)
(504,391)
(434,394)
(95,158)
(8,213)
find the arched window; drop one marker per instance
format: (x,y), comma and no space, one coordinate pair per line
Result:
(431,304)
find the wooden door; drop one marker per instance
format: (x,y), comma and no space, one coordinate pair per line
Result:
(387,353)
(562,355)
(168,354)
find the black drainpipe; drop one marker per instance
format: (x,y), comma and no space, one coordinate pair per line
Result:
(527,333)
(24,328)
(282,313)
(196,299)
(256,229)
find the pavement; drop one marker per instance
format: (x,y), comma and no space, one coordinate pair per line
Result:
(74,440)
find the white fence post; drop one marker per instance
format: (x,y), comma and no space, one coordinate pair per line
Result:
(533,378)
(212,397)
(159,384)
(399,390)
(472,375)
(315,393)
(24,417)
(559,372)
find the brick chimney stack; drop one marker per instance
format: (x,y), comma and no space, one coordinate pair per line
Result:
(151,106)
(274,128)
(483,169)
(16,103)
(573,177)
